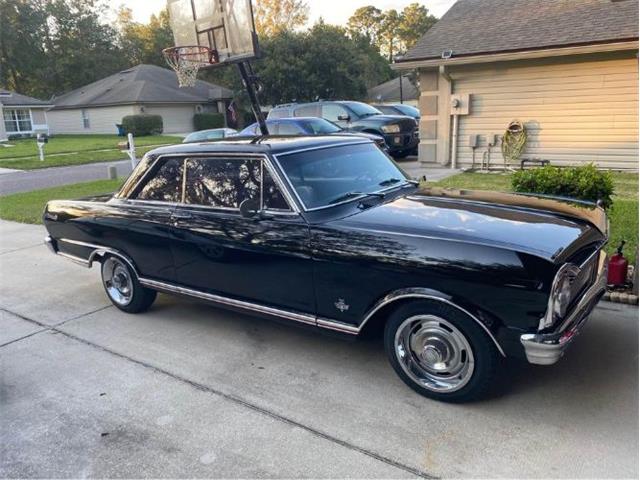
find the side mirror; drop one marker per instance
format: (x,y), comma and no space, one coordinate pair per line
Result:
(344,118)
(249,208)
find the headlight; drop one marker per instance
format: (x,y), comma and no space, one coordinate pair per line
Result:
(561,295)
(391,128)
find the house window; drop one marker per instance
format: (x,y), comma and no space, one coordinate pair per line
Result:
(85,118)
(17,120)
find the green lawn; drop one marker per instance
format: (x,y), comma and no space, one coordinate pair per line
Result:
(28,207)
(623,214)
(74,150)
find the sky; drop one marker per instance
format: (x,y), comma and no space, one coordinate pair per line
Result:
(332,11)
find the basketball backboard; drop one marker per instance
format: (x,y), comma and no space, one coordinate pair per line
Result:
(226,27)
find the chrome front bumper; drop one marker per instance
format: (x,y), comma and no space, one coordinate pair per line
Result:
(548,348)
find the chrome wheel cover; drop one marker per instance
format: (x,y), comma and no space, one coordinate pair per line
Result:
(434,353)
(117,281)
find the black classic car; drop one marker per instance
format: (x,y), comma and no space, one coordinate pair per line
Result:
(329,232)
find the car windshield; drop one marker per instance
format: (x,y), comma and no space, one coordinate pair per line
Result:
(320,126)
(362,109)
(408,110)
(334,175)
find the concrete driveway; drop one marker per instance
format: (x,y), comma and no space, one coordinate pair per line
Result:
(189,390)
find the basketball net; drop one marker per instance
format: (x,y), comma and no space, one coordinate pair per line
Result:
(187,61)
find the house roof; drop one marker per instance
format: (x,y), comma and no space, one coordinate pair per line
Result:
(140,84)
(12,99)
(477,27)
(390,91)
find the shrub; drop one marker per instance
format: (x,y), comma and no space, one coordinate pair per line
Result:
(582,183)
(206,121)
(141,125)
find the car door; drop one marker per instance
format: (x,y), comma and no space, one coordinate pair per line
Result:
(265,259)
(337,114)
(146,237)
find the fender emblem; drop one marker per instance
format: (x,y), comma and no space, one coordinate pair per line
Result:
(341,305)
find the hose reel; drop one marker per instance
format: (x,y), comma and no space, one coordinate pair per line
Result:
(514,142)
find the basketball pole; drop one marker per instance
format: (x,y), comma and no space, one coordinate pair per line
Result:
(249,82)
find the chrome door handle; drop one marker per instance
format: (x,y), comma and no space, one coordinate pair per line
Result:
(181,216)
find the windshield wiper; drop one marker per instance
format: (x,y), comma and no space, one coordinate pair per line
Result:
(349,195)
(394,181)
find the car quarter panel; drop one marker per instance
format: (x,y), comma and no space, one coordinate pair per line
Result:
(139,231)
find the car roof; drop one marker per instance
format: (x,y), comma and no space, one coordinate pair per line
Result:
(268,144)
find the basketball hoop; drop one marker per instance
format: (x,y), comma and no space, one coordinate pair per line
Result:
(187,61)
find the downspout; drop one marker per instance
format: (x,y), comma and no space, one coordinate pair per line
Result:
(454,131)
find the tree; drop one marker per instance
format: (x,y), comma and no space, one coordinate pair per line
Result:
(275,16)
(21,50)
(389,33)
(52,46)
(415,20)
(143,43)
(366,22)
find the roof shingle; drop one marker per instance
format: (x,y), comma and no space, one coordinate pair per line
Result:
(140,84)
(473,27)
(12,99)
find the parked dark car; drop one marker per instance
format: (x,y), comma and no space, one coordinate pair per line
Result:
(400,132)
(329,232)
(399,109)
(307,126)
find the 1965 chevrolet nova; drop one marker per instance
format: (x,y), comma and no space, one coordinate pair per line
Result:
(329,232)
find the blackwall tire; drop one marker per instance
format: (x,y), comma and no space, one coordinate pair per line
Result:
(440,352)
(123,288)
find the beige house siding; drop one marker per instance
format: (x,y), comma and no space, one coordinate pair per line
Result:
(175,118)
(101,120)
(576,109)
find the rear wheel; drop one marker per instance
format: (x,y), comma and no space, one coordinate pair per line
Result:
(123,288)
(440,352)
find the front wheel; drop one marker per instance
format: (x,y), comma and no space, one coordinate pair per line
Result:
(123,288)
(440,352)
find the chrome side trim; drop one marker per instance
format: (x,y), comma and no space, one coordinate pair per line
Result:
(167,287)
(338,326)
(418,293)
(73,258)
(307,319)
(97,250)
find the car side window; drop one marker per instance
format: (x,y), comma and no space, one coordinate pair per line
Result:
(272,198)
(222,182)
(332,111)
(280,113)
(307,111)
(288,128)
(164,183)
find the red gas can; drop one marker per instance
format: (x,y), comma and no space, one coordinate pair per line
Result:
(618,266)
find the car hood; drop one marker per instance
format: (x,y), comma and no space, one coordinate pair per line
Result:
(544,227)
